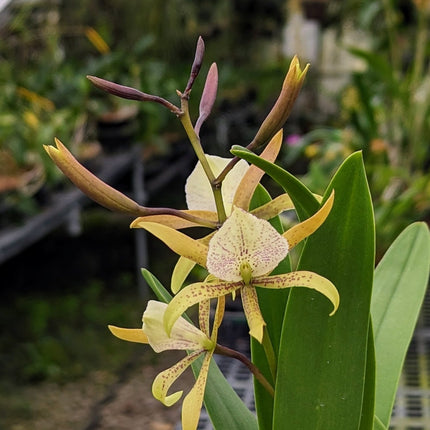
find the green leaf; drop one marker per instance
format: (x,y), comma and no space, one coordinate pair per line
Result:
(223,405)
(320,381)
(401,280)
(377,424)
(272,304)
(304,201)
(368,408)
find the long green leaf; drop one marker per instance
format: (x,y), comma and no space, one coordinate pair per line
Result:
(401,280)
(322,366)
(272,304)
(224,406)
(304,201)
(368,408)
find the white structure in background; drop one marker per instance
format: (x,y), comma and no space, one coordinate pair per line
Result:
(336,62)
(300,35)
(326,50)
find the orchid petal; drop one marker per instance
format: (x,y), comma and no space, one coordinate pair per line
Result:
(164,380)
(184,266)
(204,313)
(219,315)
(252,177)
(301,279)
(177,222)
(301,231)
(178,242)
(181,271)
(183,336)
(198,190)
(253,314)
(243,238)
(274,207)
(193,294)
(193,401)
(129,334)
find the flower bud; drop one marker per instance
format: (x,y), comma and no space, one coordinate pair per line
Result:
(281,110)
(90,185)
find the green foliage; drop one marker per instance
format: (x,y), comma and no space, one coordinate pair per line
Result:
(327,365)
(401,280)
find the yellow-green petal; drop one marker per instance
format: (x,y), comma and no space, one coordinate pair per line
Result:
(129,334)
(198,190)
(219,315)
(304,279)
(164,380)
(178,242)
(301,231)
(183,268)
(245,238)
(252,177)
(195,293)
(180,273)
(274,207)
(204,314)
(253,314)
(193,401)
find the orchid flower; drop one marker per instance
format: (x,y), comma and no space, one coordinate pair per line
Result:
(240,256)
(183,336)
(237,190)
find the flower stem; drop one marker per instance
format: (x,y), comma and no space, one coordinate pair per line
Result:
(195,143)
(224,350)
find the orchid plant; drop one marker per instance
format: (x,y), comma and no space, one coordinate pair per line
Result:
(329,336)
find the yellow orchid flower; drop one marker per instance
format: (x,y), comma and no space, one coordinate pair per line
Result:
(183,336)
(240,256)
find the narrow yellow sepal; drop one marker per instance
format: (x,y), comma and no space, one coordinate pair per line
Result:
(274,207)
(301,231)
(164,380)
(253,314)
(303,279)
(193,294)
(252,177)
(177,242)
(129,334)
(192,404)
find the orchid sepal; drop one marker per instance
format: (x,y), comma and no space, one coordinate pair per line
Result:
(304,229)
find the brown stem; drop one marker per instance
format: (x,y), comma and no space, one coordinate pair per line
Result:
(224,350)
(145,211)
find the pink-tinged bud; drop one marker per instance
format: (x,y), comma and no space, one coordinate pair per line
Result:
(208,97)
(92,186)
(197,64)
(281,110)
(130,93)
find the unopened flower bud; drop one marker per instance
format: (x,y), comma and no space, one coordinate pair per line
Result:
(130,93)
(90,185)
(208,97)
(281,110)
